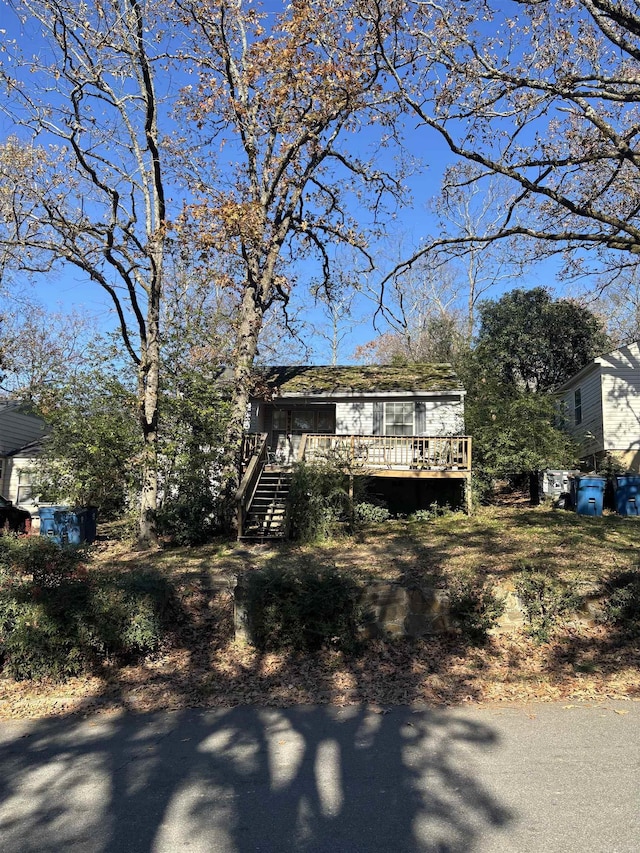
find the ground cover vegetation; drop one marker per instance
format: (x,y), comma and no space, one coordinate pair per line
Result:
(165,638)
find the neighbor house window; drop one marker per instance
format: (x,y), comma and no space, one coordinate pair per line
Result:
(398,418)
(577,406)
(25,486)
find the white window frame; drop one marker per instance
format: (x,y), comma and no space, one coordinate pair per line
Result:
(25,484)
(407,404)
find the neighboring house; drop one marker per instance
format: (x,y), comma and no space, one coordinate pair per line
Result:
(601,405)
(20,437)
(401,427)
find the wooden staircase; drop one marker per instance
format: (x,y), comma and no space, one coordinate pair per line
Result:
(267,513)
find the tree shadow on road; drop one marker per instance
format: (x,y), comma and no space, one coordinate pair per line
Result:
(249,779)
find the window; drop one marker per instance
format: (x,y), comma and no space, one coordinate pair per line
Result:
(25,486)
(577,406)
(398,418)
(303,421)
(280,420)
(326,421)
(297,421)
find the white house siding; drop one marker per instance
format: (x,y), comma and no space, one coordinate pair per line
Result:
(589,432)
(16,480)
(354,417)
(443,416)
(621,409)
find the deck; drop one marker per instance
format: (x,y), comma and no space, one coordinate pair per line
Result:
(391,455)
(423,457)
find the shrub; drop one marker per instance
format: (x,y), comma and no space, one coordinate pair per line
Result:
(368,513)
(35,641)
(546,601)
(474,607)
(318,498)
(301,609)
(42,558)
(63,630)
(434,511)
(189,518)
(621,607)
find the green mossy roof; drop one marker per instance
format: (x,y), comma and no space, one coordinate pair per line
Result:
(334,380)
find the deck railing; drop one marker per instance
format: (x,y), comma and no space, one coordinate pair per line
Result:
(370,452)
(257,443)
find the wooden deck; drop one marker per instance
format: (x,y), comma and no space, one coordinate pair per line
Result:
(392,455)
(416,457)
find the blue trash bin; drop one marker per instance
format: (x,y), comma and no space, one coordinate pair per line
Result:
(51,522)
(627,494)
(589,495)
(66,526)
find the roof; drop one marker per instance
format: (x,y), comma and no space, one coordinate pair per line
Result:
(19,429)
(626,357)
(335,380)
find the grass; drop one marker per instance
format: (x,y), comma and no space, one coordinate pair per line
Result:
(202,666)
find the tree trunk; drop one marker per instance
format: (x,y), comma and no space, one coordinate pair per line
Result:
(249,326)
(148,397)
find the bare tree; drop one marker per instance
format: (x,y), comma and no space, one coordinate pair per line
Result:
(467,208)
(544,94)
(89,188)
(42,349)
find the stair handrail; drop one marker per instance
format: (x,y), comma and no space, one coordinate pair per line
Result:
(250,480)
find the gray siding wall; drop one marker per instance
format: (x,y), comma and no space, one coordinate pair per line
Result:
(18,430)
(354,416)
(12,469)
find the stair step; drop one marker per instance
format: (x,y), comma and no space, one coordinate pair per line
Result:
(266,518)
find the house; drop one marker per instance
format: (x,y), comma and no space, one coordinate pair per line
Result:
(401,427)
(21,434)
(601,405)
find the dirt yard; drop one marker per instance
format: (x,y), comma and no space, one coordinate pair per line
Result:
(201,665)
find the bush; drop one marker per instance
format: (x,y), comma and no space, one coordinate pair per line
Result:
(434,511)
(301,609)
(621,608)
(36,641)
(318,498)
(474,607)
(368,513)
(42,558)
(61,630)
(546,601)
(189,518)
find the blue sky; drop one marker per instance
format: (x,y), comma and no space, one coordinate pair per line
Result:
(67,289)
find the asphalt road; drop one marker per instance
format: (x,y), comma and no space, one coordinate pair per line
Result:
(536,778)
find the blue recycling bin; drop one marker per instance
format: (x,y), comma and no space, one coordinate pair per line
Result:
(588,495)
(66,526)
(627,494)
